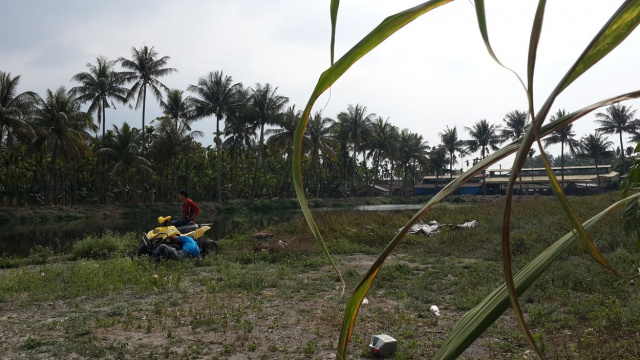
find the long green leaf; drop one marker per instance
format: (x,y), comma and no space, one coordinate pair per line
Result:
(335,4)
(385,29)
(353,305)
(614,31)
(478,319)
(388,27)
(484,32)
(594,52)
(624,21)
(506,222)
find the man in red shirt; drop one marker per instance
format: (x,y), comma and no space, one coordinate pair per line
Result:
(190,210)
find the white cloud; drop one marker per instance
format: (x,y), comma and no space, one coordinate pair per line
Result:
(433,73)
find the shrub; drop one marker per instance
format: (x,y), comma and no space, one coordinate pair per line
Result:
(317,203)
(40,254)
(107,246)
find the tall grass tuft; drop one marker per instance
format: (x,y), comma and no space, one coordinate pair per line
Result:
(106,246)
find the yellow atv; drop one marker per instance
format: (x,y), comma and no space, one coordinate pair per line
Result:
(160,235)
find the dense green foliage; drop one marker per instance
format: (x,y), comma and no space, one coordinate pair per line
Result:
(51,150)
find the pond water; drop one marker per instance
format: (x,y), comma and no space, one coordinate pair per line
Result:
(16,239)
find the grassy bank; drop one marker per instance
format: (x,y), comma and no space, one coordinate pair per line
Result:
(50,213)
(261,205)
(280,300)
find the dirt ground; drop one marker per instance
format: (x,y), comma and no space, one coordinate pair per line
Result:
(271,324)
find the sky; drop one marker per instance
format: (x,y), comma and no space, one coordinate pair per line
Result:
(433,73)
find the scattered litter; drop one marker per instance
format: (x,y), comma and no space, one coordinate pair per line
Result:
(434,310)
(383,345)
(270,246)
(632,282)
(468,224)
(426,229)
(365,301)
(433,227)
(263,235)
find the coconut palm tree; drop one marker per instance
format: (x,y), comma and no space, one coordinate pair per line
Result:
(123,148)
(357,123)
(380,143)
(411,149)
(176,107)
(14,108)
(564,136)
(340,133)
(239,130)
(145,68)
(319,133)
(515,127)
(484,137)
(266,106)
(453,145)
(172,139)
(281,138)
(438,161)
(595,146)
(618,119)
(65,128)
(215,94)
(100,86)
(515,124)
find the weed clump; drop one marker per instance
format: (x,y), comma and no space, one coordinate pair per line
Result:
(107,246)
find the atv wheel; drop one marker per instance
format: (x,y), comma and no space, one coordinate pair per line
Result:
(209,247)
(143,250)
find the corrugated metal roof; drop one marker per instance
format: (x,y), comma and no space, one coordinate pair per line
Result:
(567,178)
(377,187)
(431,186)
(558,168)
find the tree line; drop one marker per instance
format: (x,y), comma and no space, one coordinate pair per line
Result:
(56,149)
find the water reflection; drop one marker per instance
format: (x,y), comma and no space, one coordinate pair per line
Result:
(389,207)
(16,239)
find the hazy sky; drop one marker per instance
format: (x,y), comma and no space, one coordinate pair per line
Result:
(433,73)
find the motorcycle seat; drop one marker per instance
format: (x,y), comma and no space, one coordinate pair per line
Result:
(187,228)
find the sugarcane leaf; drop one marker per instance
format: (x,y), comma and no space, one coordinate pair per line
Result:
(477,320)
(388,27)
(594,52)
(353,305)
(619,26)
(379,34)
(583,239)
(484,32)
(506,220)
(335,4)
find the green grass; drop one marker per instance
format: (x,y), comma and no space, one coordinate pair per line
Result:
(263,300)
(106,246)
